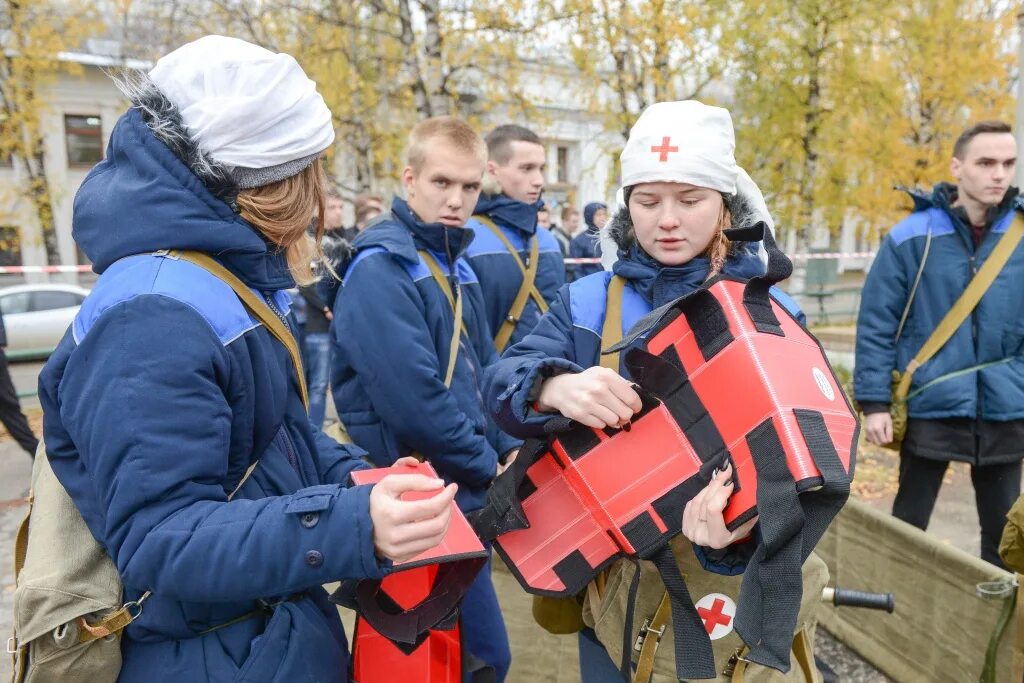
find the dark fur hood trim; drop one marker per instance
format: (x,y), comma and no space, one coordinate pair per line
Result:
(164,120)
(620,226)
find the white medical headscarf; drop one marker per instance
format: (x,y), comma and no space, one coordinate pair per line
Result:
(254,111)
(684,142)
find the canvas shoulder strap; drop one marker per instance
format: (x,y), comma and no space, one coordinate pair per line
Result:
(528,288)
(611,331)
(967,302)
(257,306)
(455,301)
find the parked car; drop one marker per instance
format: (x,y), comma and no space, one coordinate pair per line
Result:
(36,317)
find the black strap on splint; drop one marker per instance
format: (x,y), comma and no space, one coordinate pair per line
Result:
(791,524)
(407,628)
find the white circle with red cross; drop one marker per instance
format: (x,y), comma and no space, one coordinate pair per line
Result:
(718,613)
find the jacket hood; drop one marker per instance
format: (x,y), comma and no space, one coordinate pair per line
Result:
(588,214)
(944,195)
(661,284)
(403,234)
(509,212)
(146,196)
(620,226)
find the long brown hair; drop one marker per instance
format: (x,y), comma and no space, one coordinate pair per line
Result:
(283,212)
(720,246)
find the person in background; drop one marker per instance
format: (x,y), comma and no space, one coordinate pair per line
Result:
(507,234)
(10,409)
(402,384)
(967,401)
(587,243)
(544,221)
(367,207)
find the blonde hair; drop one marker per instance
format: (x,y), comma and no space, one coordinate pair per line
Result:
(719,249)
(457,133)
(283,212)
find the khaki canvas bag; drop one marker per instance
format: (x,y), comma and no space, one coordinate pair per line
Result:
(605,611)
(68,604)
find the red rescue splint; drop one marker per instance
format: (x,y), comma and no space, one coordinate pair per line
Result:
(408,623)
(726,374)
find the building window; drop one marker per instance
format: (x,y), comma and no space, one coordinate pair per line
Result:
(84,137)
(10,246)
(563,164)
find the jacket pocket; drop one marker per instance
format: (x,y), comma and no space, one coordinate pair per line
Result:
(297,645)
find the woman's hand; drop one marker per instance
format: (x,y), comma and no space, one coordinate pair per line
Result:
(402,529)
(703,521)
(597,397)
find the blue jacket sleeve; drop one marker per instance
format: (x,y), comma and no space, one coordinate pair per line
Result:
(389,344)
(513,383)
(144,403)
(502,442)
(338,461)
(881,307)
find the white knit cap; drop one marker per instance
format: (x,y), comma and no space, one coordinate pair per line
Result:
(249,109)
(685,142)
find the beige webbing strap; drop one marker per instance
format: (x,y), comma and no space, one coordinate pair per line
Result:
(455,300)
(527,289)
(611,331)
(257,306)
(652,634)
(804,653)
(1018,654)
(967,302)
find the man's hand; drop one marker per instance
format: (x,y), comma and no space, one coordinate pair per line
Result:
(878,428)
(402,529)
(703,521)
(597,397)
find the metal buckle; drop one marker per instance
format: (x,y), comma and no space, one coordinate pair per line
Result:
(164,253)
(134,607)
(12,645)
(645,631)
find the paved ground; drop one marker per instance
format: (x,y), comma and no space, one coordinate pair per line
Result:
(537,656)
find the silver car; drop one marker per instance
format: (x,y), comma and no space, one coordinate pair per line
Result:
(36,317)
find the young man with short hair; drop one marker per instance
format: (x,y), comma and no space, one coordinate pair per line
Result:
(396,386)
(519,263)
(967,401)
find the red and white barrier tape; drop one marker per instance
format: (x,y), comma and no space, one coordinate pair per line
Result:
(808,256)
(17,270)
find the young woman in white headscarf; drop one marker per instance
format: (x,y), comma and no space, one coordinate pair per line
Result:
(681,192)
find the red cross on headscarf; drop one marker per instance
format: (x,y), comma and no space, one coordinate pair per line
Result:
(714,616)
(664,150)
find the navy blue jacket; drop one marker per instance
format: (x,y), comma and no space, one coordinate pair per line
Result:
(391,334)
(995,330)
(159,397)
(499,276)
(587,244)
(568,337)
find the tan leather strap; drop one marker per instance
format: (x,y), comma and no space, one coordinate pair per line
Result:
(455,300)
(652,634)
(611,332)
(1018,654)
(803,651)
(257,306)
(527,289)
(967,302)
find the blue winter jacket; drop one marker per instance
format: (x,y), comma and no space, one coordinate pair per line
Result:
(160,396)
(995,330)
(391,334)
(568,337)
(587,244)
(495,266)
